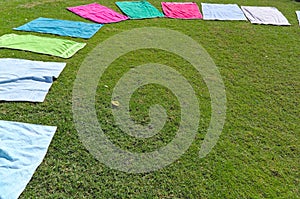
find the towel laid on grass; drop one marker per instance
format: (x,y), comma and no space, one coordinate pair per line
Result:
(25,80)
(44,45)
(184,10)
(98,13)
(298,16)
(22,149)
(222,12)
(61,27)
(139,9)
(265,15)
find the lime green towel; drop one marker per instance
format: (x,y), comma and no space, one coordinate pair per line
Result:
(44,45)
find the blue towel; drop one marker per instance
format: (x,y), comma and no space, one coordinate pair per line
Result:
(298,16)
(222,12)
(22,149)
(25,80)
(61,27)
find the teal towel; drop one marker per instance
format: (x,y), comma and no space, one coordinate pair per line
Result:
(139,9)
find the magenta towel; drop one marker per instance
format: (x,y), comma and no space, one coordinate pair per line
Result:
(98,13)
(186,10)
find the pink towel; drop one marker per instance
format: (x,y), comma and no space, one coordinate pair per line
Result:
(187,10)
(98,13)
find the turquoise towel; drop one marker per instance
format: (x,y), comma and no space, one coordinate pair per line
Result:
(61,27)
(139,9)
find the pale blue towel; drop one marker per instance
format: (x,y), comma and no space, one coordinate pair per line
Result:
(298,16)
(222,12)
(61,27)
(25,80)
(22,149)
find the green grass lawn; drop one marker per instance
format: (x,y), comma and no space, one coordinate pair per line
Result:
(257,155)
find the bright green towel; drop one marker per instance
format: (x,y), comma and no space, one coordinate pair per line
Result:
(139,9)
(44,45)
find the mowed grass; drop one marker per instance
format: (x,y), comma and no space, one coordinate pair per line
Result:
(257,155)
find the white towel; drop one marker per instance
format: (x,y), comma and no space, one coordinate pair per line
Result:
(265,15)
(298,16)
(222,12)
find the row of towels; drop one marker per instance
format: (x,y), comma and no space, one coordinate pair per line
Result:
(180,10)
(134,10)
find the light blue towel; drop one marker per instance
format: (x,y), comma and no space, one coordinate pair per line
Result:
(22,149)
(222,12)
(25,80)
(298,16)
(61,27)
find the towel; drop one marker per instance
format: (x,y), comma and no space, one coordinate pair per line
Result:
(50,46)
(98,13)
(186,10)
(222,12)
(265,15)
(22,149)
(61,27)
(139,9)
(298,16)
(25,80)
